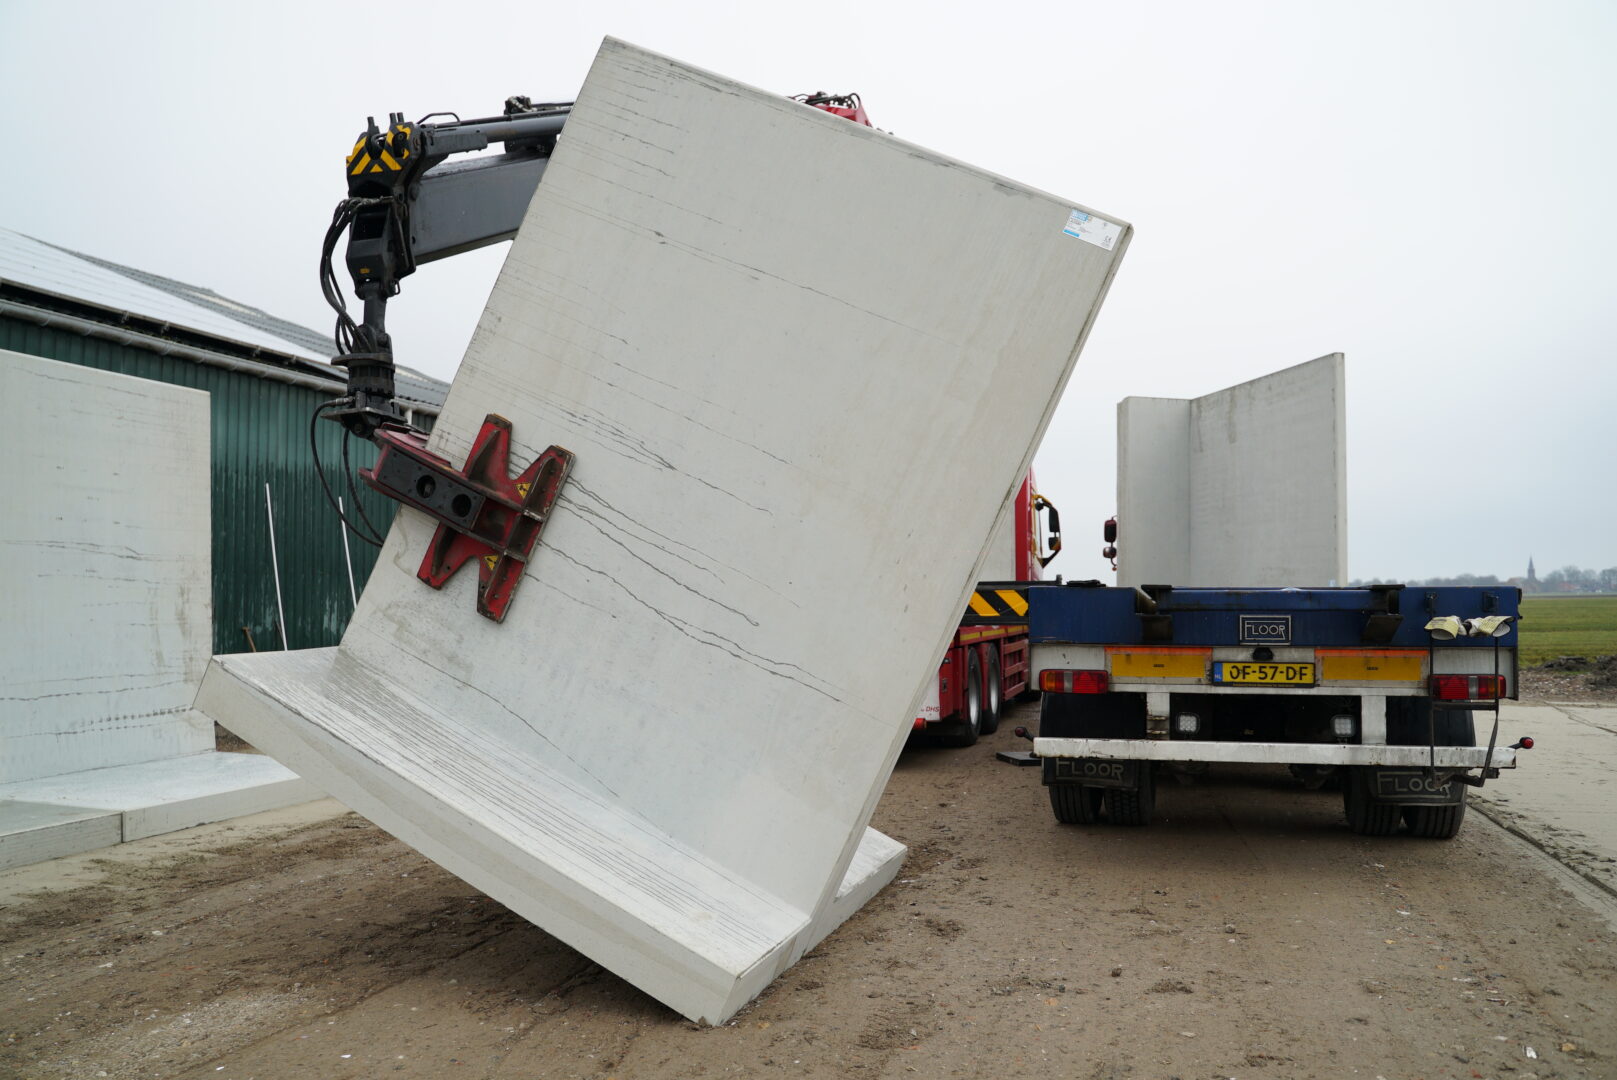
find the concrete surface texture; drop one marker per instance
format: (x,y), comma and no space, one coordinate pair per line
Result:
(80,811)
(104,566)
(1562,796)
(1246,486)
(790,457)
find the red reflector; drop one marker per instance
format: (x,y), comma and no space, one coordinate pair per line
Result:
(920,722)
(1526,743)
(1468,687)
(1074,682)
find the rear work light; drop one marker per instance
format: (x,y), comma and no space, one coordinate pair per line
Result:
(1468,687)
(1074,682)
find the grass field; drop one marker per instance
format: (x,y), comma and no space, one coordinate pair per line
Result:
(1567,626)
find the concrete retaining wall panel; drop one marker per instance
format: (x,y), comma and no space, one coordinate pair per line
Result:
(791,456)
(1243,487)
(104,567)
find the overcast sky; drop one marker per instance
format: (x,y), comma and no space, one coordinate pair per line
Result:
(1426,187)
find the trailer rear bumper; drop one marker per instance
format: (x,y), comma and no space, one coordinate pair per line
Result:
(1444,757)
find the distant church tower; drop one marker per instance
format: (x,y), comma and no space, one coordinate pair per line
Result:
(1532,575)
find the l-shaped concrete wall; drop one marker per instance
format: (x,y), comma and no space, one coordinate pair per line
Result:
(1246,486)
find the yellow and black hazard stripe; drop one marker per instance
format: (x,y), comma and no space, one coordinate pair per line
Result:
(997,603)
(389,154)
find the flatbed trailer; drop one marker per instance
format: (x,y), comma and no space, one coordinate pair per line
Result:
(1377,689)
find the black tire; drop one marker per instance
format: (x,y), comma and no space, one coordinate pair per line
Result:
(970,725)
(1435,822)
(1364,817)
(1133,806)
(993,693)
(1075,804)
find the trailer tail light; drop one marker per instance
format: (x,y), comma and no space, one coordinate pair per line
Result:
(1468,687)
(1074,682)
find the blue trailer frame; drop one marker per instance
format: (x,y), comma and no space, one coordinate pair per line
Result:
(1375,688)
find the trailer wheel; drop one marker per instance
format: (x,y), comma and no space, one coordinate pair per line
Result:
(1365,817)
(1133,806)
(1075,804)
(970,725)
(993,691)
(1435,822)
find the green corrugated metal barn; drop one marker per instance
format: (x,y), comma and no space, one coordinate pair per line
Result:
(265,377)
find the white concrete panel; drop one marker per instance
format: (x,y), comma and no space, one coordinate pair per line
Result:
(105,569)
(1256,497)
(790,456)
(155,797)
(1153,491)
(32,832)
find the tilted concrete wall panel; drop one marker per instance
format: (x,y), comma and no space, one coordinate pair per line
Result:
(1246,486)
(104,569)
(773,339)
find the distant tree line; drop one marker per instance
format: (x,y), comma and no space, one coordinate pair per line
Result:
(1566,579)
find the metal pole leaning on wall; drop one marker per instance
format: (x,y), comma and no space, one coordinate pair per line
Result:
(275,565)
(347,556)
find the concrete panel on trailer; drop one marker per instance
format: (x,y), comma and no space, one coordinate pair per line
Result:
(104,566)
(1243,487)
(1153,491)
(777,342)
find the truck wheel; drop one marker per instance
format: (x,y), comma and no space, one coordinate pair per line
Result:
(970,725)
(1435,822)
(1075,804)
(993,689)
(1133,806)
(1363,816)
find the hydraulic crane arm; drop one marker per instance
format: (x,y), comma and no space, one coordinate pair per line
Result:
(409,204)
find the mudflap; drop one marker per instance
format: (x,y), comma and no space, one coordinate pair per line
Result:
(1412,787)
(1093,772)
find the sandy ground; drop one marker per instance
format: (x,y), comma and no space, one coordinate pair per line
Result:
(1247,933)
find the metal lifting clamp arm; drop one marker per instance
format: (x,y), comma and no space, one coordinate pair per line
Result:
(408,205)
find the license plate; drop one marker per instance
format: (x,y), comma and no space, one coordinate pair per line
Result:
(1254,673)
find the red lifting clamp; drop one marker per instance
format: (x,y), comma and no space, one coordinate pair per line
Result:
(482,511)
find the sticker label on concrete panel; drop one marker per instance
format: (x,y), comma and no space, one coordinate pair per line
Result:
(1093,230)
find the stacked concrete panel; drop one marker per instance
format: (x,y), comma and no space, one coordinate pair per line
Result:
(1246,486)
(104,570)
(777,343)
(105,565)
